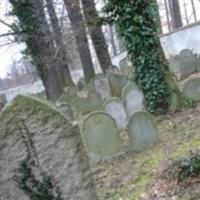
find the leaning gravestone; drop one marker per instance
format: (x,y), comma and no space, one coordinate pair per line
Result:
(115,107)
(37,137)
(117,83)
(184,64)
(101,134)
(101,85)
(191,89)
(142,131)
(134,99)
(3,101)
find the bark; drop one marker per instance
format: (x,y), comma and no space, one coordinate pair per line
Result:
(77,23)
(47,60)
(63,72)
(98,39)
(175,14)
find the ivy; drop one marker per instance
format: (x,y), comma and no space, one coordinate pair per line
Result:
(136,21)
(40,187)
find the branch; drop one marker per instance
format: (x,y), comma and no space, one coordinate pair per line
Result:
(6,24)
(9,34)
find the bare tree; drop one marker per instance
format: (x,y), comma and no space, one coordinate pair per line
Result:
(98,39)
(77,23)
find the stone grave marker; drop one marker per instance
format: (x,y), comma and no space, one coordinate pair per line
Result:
(142,131)
(66,109)
(134,99)
(101,135)
(184,64)
(35,133)
(94,100)
(117,83)
(115,107)
(191,89)
(101,85)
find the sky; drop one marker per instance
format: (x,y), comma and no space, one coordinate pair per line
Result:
(12,52)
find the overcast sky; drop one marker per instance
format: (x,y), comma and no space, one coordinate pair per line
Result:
(12,52)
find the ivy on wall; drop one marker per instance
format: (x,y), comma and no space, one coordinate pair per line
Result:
(137,23)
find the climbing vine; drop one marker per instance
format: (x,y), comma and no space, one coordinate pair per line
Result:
(137,23)
(40,187)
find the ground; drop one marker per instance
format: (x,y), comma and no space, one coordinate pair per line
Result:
(134,176)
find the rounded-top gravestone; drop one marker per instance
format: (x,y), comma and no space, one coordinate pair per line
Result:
(39,143)
(191,89)
(142,131)
(115,107)
(101,135)
(134,99)
(94,100)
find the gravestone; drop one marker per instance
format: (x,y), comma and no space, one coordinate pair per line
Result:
(81,83)
(184,64)
(113,70)
(101,85)
(134,99)
(117,83)
(101,134)
(3,101)
(94,100)
(142,131)
(66,109)
(115,107)
(32,127)
(191,89)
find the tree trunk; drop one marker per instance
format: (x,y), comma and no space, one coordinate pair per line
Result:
(76,18)
(175,13)
(63,72)
(98,39)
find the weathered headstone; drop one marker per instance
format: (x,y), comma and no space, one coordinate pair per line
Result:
(191,89)
(94,100)
(184,64)
(101,85)
(142,131)
(101,134)
(3,101)
(134,99)
(117,83)
(113,70)
(116,109)
(31,127)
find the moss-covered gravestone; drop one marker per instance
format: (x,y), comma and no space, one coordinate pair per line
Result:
(142,131)
(42,154)
(115,107)
(134,99)
(191,89)
(94,100)
(101,134)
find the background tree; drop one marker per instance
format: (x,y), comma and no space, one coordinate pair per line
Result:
(97,36)
(136,22)
(77,23)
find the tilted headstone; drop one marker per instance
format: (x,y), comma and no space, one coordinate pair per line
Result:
(116,109)
(94,100)
(134,99)
(142,131)
(101,85)
(117,83)
(3,101)
(31,127)
(184,64)
(191,89)
(101,134)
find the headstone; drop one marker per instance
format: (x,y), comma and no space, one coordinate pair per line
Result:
(142,131)
(94,100)
(117,83)
(81,83)
(116,109)
(101,85)
(3,101)
(101,135)
(134,99)
(191,89)
(32,127)
(113,70)
(66,109)
(184,64)
(71,90)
